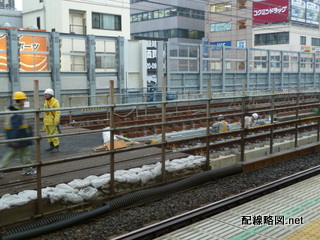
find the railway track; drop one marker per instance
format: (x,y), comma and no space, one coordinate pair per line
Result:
(164,227)
(52,175)
(148,121)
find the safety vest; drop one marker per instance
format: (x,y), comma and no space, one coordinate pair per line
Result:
(223,127)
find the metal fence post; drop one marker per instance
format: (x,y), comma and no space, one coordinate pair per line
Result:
(163,130)
(208,126)
(112,157)
(38,148)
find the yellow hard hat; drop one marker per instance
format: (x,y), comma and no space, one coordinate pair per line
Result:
(19,96)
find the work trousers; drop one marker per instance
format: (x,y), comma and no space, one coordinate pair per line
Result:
(22,153)
(52,130)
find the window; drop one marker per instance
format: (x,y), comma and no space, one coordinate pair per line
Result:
(260,62)
(172,33)
(40,0)
(303,40)
(242,24)
(73,54)
(221,7)
(242,4)
(271,38)
(275,61)
(106,21)
(168,12)
(315,41)
(38,23)
(241,44)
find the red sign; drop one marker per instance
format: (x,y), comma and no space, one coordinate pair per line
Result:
(270,11)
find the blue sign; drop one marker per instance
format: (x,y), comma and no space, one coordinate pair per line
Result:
(220,44)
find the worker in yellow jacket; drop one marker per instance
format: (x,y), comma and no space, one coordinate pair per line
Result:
(51,120)
(220,126)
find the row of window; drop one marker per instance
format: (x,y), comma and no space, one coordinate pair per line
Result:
(227,26)
(172,33)
(169,12)
(271,38)
(314,41)
(227,6)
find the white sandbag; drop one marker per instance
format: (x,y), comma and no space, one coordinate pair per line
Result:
(119,176)
(145,176)
(14,200)
(101,181)
(72,198)
(79,183)
(156,171)
(132,177)
(56,196)
(172,167)
(66,188)
(88,193)
(46,191)
(28,194)
(91,177)
(106,136)
(135,170)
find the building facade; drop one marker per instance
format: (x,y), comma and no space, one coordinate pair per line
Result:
(175,20)
(100,17)
(229,23)
(271,24)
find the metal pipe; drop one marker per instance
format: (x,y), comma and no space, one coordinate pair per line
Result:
(39,207)
(112,155)
(163,130)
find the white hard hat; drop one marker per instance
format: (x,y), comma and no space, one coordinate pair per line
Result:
(255,115)
(220,117)
(49,91)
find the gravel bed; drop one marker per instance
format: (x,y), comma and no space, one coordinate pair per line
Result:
(123,221)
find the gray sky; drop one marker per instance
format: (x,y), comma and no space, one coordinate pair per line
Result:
(18,4)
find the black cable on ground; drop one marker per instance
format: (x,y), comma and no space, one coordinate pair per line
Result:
(39,228)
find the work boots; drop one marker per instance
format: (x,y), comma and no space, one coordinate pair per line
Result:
(50,148)
(55,149)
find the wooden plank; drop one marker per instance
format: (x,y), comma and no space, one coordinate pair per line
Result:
(117,144)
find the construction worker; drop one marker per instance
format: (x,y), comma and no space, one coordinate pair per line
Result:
(51,120)
(220,126)
(16,127)
(249,122)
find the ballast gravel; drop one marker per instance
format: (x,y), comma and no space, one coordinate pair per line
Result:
(122,221)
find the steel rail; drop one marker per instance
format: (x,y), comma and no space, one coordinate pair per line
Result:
(185,219)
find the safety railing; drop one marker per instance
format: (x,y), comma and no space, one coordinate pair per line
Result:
(201,142)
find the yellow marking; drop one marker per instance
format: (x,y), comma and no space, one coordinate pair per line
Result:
(90,109)
(309,232)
